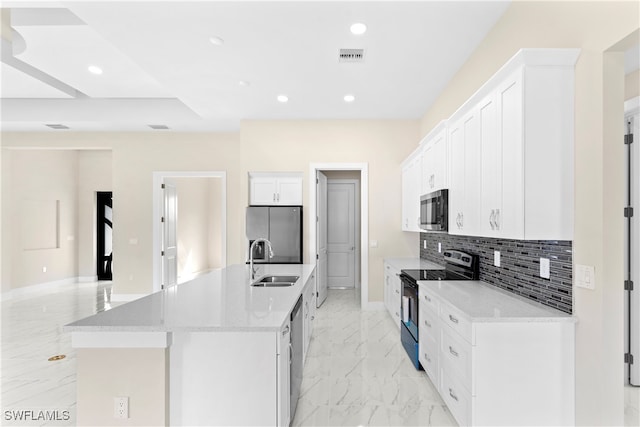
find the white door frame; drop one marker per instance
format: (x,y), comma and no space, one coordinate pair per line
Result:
(357,209)
(156,231)
(364,219)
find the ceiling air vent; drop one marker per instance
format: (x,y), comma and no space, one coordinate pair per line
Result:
(351,55)
(57,126)
(159,127)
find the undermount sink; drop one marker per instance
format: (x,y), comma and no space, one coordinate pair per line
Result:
(276,281)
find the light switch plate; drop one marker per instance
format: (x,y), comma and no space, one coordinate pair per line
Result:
(373,243)
(585,276)
(545,270)
(496,258)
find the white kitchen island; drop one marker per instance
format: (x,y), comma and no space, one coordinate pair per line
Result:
(212,351)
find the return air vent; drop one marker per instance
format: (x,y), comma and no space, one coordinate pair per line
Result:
(159,127)
(351,55)
(57,126)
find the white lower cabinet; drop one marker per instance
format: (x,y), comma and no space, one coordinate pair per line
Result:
(392,292)
(497,371)
(284,381)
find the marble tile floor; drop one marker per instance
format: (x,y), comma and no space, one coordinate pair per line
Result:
(357,374)
(31,331)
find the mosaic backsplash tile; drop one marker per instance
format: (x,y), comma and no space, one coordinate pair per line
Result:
(519,265)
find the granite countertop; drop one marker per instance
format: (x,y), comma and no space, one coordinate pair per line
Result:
(482,302)
(414,264)
(221,300)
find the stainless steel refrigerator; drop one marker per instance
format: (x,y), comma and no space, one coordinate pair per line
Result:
(282,226)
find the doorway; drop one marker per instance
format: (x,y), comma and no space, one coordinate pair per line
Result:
(341,171)
(343,205)
(198,226)
(104,235)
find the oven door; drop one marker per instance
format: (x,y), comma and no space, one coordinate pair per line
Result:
(409,306)
(434,211)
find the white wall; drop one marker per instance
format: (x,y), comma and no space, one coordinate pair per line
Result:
(199,227)
(35,236)
(595,27)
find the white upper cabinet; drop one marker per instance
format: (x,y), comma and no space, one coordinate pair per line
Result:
(271,189)
(464,173)
(411,191)
(516,151)
(434,160)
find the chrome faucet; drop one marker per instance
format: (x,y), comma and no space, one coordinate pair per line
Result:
(253,270)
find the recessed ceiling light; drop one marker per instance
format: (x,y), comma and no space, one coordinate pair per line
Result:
(94,69)
(216,41)
(349,98)
(358,28)
(283,98)
(244,83)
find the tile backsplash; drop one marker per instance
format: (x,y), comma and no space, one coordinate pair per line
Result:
(519,270)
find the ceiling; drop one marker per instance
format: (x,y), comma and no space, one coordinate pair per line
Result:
(160,67)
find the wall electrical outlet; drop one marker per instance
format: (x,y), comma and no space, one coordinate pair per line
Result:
(545,272)
(121,407)
(496,258)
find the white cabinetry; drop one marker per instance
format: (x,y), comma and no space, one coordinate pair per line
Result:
(411,177)
(309,307)
(495,371)
(392,292)
(524,139)
(275,189)
(283,361)
(464,170)
(434,160)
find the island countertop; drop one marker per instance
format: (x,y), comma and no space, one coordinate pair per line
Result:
(221,300)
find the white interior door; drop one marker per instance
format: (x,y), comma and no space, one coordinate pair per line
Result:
(341,234)
(321,238)
(170,236)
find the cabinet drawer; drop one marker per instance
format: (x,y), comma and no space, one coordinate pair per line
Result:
(455,354)
(428,324)
(458,400)
(456,321)
(428,356)
(426,301)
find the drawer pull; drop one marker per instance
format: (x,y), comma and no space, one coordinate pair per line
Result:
(453,396)
(285,331)
(452,351)
(428,325)
(453,319)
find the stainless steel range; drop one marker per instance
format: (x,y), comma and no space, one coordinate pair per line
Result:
(459,266)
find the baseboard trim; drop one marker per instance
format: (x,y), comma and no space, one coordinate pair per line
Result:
(85,279)
(126,297)
(32,291)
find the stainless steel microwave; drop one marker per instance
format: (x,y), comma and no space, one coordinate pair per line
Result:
(434,211)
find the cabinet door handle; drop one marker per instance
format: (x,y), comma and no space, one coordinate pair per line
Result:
(491,217)
(452,351)
(397,314)
(497,219)
(427,358)
(397,291)
(398,274)
(453,396)
(274,197)
(313,318)
(427,298)
(428,325)
(462,219)
(285,331)
(453,319)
